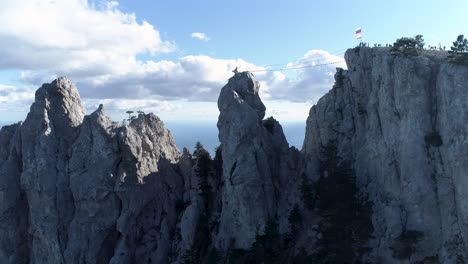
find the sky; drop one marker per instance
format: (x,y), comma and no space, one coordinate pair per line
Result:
(173,57)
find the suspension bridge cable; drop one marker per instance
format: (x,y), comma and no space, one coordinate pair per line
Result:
(297,65)
(338,53)
(341,52)
(295,68)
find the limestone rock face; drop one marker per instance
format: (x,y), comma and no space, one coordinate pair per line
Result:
(148,187)
(46,137)
(93,171)
(84,189)
(401,122)
(13,204)
(254,162)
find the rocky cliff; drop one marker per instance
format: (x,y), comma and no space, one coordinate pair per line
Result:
(82,189)
(400,122)
(380,178)
(259,168)
(79,188)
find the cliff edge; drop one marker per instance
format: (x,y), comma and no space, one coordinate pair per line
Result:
(400,122)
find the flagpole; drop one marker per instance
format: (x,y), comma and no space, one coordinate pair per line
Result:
(359,35)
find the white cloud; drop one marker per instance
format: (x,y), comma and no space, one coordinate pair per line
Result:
(200,78)
(122,105)
(13,95)
(194,78)
(200,36)
(313,77)
(73,36)
(98,48)
(286,111)
(15,102)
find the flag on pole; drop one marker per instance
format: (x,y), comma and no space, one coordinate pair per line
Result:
(358,33)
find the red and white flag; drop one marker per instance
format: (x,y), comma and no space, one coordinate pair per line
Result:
(358,33)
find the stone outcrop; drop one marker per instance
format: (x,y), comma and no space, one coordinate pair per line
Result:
(84,189)
(46,137)
(14,217)
(401,122)
(81,188)
(257,164)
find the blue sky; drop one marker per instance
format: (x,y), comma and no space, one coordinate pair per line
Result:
(267,32)
(142,55)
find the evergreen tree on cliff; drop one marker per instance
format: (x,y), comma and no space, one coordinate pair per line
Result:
(459,51)
(409,45)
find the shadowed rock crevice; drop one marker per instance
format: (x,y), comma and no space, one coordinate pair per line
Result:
(106,250)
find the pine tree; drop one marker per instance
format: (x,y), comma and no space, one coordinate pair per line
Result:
(295,220)
(198,146)
(459,51)
(307,193)
(408,46)
(346,224)
(190,256)
(200,243)
(460,45)
(198,252)
(269,124)
(203,172)
(419,41)
(129,115)
(213,257)
(302,257)
(267,246)
(218,162)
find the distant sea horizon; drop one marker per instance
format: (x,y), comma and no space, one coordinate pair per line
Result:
(187,134)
